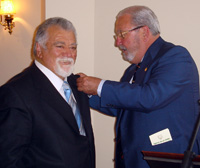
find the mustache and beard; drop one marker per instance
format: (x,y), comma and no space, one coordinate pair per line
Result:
(64,66)
(127,56)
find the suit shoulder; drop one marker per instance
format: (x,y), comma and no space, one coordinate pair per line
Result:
(19,81)
(170,47)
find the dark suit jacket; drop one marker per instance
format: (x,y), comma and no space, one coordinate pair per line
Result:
(164,95)
(38,128)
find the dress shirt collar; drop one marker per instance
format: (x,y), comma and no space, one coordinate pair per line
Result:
(54,79)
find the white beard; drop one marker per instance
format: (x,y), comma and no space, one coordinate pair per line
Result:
(128,57)
(67,70)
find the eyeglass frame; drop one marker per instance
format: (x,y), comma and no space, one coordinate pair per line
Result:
(122,34)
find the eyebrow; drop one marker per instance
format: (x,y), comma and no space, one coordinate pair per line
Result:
(73,44)
(60,42)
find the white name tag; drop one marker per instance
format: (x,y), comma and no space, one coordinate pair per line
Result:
(160,137)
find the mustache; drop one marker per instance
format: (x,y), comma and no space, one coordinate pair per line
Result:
(122,48)
(70,61)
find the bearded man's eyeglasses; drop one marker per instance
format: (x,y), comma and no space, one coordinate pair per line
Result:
(123,34)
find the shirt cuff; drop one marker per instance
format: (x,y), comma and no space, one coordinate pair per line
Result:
(100,87)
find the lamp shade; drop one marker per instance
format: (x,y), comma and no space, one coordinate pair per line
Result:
(7,7)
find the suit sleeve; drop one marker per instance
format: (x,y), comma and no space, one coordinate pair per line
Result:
(95,103)
(164,83)
(15,128)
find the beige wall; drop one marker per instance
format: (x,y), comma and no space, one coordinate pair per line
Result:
(94,21)
(15,48)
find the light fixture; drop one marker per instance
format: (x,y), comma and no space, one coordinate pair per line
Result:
(7,11)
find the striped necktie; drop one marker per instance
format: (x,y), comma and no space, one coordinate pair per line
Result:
(71,101)
(134,75)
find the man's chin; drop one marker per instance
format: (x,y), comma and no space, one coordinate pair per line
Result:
(128,58)
(65,72)
(125,58)
(64,75)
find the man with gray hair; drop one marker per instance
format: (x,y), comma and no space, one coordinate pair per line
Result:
(156,101)
(45,121)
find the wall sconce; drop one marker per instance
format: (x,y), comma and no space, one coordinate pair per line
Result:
(7,11)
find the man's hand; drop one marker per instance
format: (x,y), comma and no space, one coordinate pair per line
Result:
(88,84)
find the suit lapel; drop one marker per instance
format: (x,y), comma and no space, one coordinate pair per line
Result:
(51,97)
(140,73)
(81,102)
(128,73)
(155,52)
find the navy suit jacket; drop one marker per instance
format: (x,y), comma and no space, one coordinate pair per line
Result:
(38,128)
(165,95)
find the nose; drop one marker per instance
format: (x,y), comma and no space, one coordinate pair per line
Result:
(69,53)
(118,42)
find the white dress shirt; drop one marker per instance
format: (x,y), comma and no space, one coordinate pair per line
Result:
(53,78)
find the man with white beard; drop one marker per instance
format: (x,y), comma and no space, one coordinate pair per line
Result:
(156,101)
(40,126)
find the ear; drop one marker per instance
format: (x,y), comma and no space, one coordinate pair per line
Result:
(39,51)
(145,33)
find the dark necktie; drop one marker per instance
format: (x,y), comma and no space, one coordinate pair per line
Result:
(134,74)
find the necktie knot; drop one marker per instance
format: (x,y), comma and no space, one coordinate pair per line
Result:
(67,91)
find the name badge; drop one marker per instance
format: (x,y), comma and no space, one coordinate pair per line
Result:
(160,137)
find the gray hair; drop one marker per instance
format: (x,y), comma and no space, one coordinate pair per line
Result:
(142,16)
(41,34)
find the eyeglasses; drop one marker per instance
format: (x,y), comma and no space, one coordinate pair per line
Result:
(123,34)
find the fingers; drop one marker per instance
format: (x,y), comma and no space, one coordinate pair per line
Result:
(81,74)
(88,84)
(81,81)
